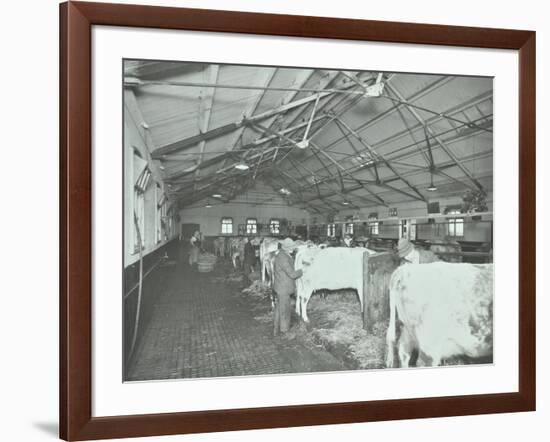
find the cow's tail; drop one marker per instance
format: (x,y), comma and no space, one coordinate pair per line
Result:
(391,333)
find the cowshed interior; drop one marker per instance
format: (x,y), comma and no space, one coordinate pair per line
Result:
(236,151)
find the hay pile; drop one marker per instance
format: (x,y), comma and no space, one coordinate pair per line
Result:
(234,277)
(254,276)
(265,317)
(258,290)
(338,325)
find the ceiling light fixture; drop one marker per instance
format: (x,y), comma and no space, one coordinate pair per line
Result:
(216,195)
(432,187)
(242,166)
(208,206)
(376,89)
(285,191)
(345,203)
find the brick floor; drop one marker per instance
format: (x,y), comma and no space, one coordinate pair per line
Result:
(204,328)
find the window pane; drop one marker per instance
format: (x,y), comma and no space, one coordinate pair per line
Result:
(459,227)
(250,226)
(451,228)
(373,228)
(227,226)
(274,226)
(139,222)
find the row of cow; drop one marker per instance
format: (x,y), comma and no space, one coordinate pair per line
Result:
(233,247)
(437,310)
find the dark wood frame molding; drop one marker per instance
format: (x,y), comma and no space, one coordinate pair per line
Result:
(76,21)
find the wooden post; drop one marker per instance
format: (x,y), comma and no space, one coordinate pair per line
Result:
(366,282)
(377,270)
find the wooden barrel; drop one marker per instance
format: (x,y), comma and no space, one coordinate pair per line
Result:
(206,262)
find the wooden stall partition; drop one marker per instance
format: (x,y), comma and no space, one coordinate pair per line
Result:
(377,271)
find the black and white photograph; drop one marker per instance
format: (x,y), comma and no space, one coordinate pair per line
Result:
(289,220)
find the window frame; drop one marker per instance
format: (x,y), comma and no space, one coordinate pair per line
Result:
(222,224)
(374,228)
(453,223)
(271,224)
(160,215)
(254,224)
(139,213)
(348,225)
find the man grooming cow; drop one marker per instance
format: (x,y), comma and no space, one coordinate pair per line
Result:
(284,276)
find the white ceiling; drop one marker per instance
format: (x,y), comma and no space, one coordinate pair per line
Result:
(364,150)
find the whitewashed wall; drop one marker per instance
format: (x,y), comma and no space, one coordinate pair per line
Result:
(260,202)
(137,137)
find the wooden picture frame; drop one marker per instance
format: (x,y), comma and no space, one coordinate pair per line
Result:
(76,21)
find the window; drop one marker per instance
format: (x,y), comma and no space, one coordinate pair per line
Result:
(455,225)
(227,226)
(251,226)
(139,219)
(274,226)
(161,228)
(349,225)
(331,230)
(169,227)
(373,228)
(142,177)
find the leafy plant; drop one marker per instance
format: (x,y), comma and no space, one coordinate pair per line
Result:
(474,201)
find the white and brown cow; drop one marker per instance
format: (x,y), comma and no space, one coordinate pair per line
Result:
(237,251)
(267,246)
(267,265)
(445,311)
(332,268)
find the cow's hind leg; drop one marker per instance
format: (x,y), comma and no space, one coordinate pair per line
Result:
(303,308)
(407,350)
(435,360)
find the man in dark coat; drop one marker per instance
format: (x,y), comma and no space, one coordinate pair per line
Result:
(249,258)
(283,286)
(409,254)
